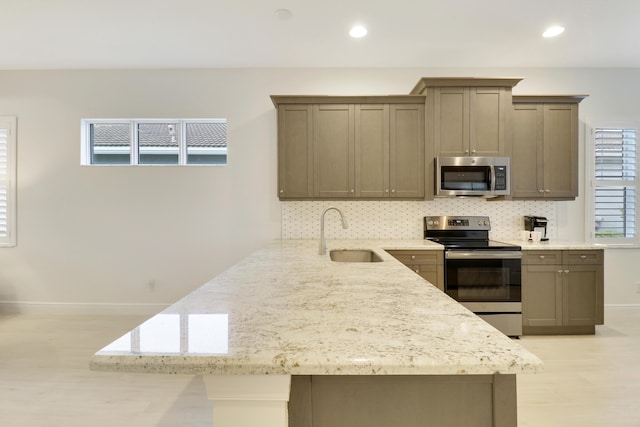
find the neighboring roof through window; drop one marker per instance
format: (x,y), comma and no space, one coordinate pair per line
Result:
(154,141)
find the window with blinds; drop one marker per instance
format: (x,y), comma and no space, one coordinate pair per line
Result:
(7,181)
(615,157)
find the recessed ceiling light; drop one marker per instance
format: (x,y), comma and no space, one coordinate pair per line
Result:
(553,31)
(358,31)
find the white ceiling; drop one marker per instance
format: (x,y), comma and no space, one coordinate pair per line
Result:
(70,34)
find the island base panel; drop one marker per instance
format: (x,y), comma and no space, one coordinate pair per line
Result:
(249,400)
(409,401)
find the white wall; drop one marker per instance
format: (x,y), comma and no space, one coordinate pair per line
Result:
(94,238)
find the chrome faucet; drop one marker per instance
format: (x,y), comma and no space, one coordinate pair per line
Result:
(323,243)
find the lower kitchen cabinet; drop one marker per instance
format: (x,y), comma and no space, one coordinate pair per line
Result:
(562,291)
(428,264)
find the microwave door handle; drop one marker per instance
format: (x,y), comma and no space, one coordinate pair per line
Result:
(492,178)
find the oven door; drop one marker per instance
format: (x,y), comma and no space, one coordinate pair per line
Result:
(483,275)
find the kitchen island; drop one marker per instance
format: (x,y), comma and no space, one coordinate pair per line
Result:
(289,337)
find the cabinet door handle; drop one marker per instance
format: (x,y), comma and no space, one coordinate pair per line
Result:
(466,151)
(547,191)
(413,257)
(281,191)
(541,191)
(541,256)
(566,271)
(386,191)
(473,151)
(417,270)
(583,257)
(393,191)
(353,191)
(560,271)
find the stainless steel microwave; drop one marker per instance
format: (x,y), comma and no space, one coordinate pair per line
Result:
(472,176)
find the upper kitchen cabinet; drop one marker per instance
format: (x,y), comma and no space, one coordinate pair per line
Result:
(367,147)
(389,146)
(544,161)
(467,116)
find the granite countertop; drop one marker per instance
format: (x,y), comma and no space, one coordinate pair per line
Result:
(553,245)
(287,310)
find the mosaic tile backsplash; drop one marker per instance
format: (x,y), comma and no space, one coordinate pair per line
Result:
(403,219)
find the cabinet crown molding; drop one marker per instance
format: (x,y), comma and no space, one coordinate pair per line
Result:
(548,99)
(347,99)
(425,82)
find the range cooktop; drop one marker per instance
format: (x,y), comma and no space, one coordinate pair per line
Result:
(463,232)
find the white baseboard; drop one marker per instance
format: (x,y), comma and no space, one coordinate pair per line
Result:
(622,306)
(118,309)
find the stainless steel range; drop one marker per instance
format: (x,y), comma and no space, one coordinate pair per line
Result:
(483,275)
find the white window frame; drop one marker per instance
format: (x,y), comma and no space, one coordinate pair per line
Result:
(8,181)
(620,242)
(85,141)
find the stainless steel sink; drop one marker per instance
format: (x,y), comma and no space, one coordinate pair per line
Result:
(354,255)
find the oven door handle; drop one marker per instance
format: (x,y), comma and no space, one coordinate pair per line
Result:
(483,254)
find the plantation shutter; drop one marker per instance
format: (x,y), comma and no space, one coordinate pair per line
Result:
(7,181)
(615,182)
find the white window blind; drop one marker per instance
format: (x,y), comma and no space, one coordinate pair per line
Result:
(7,181)
(615,183)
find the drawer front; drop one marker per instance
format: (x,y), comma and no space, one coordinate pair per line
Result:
(591,257)
(422,269)
(417,257)
(541,257)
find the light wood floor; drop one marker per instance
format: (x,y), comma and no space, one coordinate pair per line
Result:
(45,381)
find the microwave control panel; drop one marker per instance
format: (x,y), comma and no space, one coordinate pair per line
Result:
(501,177)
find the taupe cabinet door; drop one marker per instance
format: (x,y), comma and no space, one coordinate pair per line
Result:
(470,121)
(541,295)
(406,150)
(295,151)
(372,150)
(334,151)
(526,159)
(582,297)
(560,146)
(544,162)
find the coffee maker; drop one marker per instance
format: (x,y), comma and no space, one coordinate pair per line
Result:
(536,223)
